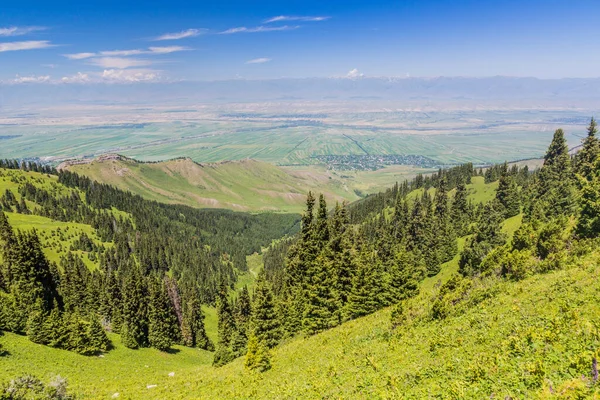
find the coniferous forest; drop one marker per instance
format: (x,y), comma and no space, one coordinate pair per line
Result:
(159,264)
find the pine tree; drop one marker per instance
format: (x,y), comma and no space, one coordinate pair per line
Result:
(161,317)
(226,328)
(586,158)
(242,314)
(54,328)
(554,192)
(134,330)
(321,310)
(265,321)
(257,356)
(35,325)
(321,231)
(98,340)
(406,273)
(193,330)
(488,234)
(443,237)
(588,224)
(368,287)
(460,210)
(507,193)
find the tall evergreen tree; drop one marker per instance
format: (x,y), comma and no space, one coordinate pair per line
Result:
(554,192)
(265,319)
(226,328)
(192,327)
(368,287)
(507,193)
(586,158)
(460,210)
(134,330)
(161,316)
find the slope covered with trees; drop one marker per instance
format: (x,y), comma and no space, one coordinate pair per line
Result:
(148,267)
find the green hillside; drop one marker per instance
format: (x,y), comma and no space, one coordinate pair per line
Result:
(520,340)
(246,185)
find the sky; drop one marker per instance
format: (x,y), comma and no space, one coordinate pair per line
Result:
(122,41)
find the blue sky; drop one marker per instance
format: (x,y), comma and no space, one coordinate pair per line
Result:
(120,41)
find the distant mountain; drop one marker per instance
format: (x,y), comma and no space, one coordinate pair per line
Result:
(331,89)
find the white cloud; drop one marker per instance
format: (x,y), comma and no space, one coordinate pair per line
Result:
(79,56)
(77,78)
(282,18)
(258,61)
(130,75)
(354,73)
(28,45)
(31,79)
(181,35)
(20,30)
(121,53)
(127,53)
(166,50)
(119,62)
(243,29)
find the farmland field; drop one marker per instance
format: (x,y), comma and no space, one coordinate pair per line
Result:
(294,138)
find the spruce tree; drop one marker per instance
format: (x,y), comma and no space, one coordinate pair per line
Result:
(192,326)
(98,340)
(554,192)
(460,210)
(507,193)
(368,287)
(588,224)
(266,324)
(35,325)
(242,313)
(226,328)
(257,356)
(586,158)
(134,330)
(161,317)
(321,309)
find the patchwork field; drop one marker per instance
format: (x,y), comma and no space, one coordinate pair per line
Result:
(288,133)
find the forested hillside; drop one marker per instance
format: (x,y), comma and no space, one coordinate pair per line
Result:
(80,258)
(463,284)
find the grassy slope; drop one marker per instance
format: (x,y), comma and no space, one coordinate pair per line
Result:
(524,337)
(240,185)
(56,236)
(245,185)
(362,358)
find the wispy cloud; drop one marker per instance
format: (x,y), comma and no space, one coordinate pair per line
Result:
(119,62)
(130,75)
(79,56)
(258,60)
(166,50)
(121,53)
(127,53)
(28,45)
(20,30)
(282,18)
(243,29)
(31,79)
(181,35)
